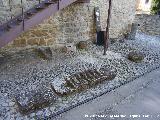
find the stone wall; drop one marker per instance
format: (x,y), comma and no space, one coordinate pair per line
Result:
(123,15)
(149,24)
(76,23)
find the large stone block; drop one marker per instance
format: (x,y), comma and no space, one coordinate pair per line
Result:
(44,52)
(136,56)
(82,45)
(84,80)
(35,100)
(133,32)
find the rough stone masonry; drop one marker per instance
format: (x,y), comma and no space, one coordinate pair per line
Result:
(149,24)
(76,23)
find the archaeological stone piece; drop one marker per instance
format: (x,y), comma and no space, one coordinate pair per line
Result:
(133,32)
(44,52)
(82,45)
(35,100)
(136,56)
(64,49)
(68,48)
(84,80)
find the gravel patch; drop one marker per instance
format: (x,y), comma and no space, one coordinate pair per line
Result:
(23,71)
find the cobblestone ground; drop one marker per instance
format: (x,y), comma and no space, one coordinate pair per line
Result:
(24,71)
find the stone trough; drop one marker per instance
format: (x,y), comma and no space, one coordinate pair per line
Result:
(84,80)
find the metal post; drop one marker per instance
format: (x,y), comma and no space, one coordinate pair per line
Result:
(10,9)
(107,28)
(22,13)
(58,4)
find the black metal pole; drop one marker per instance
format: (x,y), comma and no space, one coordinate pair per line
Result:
(58,4)
(22,13)
(107,28)
(10,9)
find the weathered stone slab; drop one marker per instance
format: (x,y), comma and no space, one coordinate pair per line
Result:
(136,56)
(35,100)
(84,80)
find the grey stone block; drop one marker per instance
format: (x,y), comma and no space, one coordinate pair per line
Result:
(136,56)
(133,32)
(35,100)
(44,52)
(83,80)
